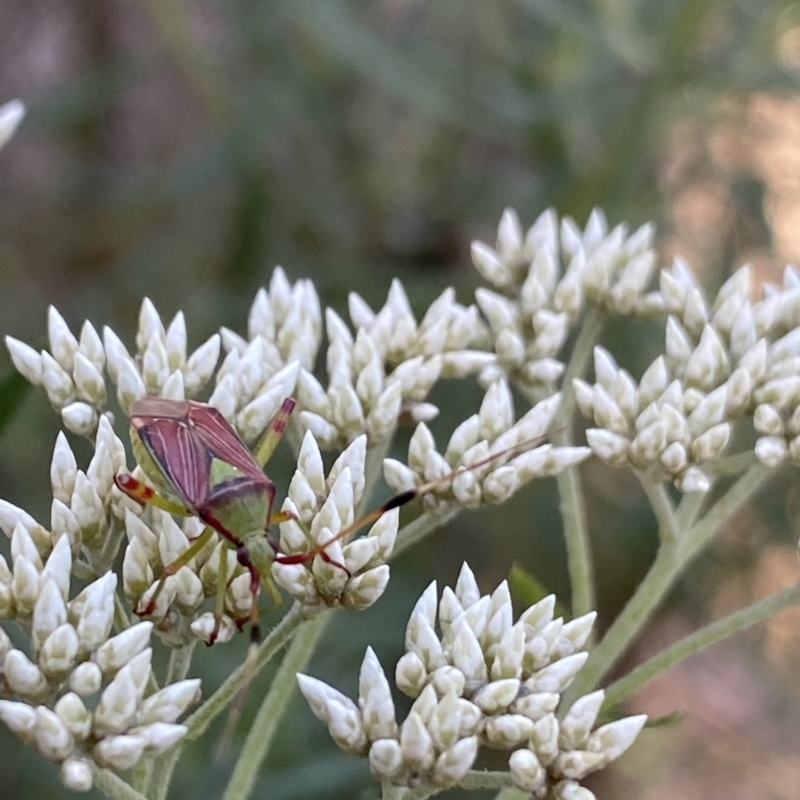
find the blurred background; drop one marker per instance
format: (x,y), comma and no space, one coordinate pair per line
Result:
(180,150)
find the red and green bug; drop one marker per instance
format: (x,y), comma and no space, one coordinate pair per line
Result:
(202,468)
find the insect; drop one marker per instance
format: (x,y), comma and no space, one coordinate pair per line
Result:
(201,467)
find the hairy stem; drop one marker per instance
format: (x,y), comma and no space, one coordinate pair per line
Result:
(671,560)
(114,787)
(668,528)
(570,489)
(158,780)
(277,638)
(700,640)
(273,708)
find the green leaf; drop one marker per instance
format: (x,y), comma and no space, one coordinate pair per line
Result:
(529,590)
(13,389)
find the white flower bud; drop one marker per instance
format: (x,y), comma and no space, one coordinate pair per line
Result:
(577,724)
(537,705)
(160,736)
(416,744)
(410,674)
(200,365)
(613,739)
(130,386)
(169,703)
(119,752)
(507,730)
(447,679)
(63,345)
(210,630)
(26,360)
(86,679)
(57,382)
(771,451)
(23,676)
(59,651)
(575,764)
(89,381)
(339,712)
(497,696)
(467,656)
(76,775)
(53,738)
(489,264)
(19,717)
(527,773)
(693,480)
(97,613)
(115,653)
(711,444)
(544,738)
(385,758)
(365,589)
(558,675)
(608,446)
(74,714)
(454,763)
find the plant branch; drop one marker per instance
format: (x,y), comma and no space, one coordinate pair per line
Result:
(160,776)
(114,787)
(670,561)
(269,715)
(700,640)
(668,528)
(570,488)
(277,638)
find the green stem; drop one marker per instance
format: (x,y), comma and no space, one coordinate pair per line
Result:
(276,639)
(700,640)
(570,488)
(160,776)
(391,792)
(670,561)
(273,708)
(688,509)
(114,787)
(668,529)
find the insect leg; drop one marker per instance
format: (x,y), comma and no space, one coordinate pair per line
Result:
(266,447)
(170,569)
(143,495)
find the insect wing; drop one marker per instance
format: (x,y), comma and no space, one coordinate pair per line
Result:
(223,442)
(181,455)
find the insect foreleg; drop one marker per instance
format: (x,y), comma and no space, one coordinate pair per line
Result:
(266,447)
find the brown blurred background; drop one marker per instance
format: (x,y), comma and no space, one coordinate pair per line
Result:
(181,149)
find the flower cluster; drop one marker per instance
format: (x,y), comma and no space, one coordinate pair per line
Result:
(723,361)
(484,680)
(386,370)
(543,278)
(79,695)
(498,454)
(352,574)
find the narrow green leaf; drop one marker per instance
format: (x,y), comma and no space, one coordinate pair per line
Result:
(528,589)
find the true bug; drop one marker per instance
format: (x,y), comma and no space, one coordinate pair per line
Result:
(201,467)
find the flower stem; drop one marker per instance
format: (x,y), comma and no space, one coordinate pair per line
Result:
(570,489)
(276,639)
(700,640)
(670,561)
(159,777)
(114,787)
(668,529)
(273,708)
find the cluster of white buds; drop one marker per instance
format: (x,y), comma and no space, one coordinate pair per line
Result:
(175,602)
(349,573)
(79,694)
(86,504)
(161,366)
(544,276)
(655,426)
(284,331)
(484,681)
(71,373)
(11,114)
(722,361)
(508,453)
(386,370)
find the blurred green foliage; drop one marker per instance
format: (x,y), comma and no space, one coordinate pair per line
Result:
(179,150)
